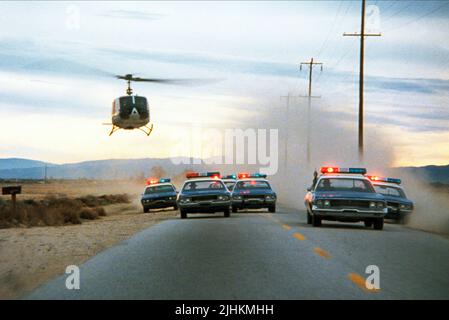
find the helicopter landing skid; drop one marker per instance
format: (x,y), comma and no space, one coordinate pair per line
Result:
(114,129)
(147,132)
(150,129)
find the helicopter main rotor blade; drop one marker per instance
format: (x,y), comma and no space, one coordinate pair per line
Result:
(169,81)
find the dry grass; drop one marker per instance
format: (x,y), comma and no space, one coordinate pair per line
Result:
(56,211)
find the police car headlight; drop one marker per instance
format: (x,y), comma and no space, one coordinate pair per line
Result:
(319,203)
(372,205)
(184,200)
(381,205)
(171,198)
(327,203)
(270,197)
(223,198)
(237,197)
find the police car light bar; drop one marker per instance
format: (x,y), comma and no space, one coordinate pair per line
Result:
(156,181)
(252,175)
(343,170)
(382,179)
(230,176)
(215,175)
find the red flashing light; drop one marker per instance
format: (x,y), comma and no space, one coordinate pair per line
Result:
(152,181)
(242,175)
(374,178)
(192,175)
(330,170)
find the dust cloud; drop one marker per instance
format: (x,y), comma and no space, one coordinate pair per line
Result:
(333,142)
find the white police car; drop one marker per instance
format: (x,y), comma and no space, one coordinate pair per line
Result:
(344,194)
(399,207)
(253,191)
(159,193)
(204,193)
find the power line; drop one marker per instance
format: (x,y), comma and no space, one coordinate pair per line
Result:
(330,30)
(419,17)
(397,12)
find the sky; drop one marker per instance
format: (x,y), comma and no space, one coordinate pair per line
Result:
(56,61)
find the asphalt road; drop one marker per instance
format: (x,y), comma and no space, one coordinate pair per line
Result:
(262,256)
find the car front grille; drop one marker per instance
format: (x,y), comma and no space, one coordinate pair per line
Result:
(253,197)
(350,203)
(204,198)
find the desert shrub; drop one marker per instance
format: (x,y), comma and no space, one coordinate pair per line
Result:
(56,211)
(92,201)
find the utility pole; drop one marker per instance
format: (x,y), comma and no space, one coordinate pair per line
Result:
(362,36)
(287,97)
(45,174)
(311,64)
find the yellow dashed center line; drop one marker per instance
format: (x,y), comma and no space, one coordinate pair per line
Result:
(286,227)
(299,236)
(322,253)
(360,282)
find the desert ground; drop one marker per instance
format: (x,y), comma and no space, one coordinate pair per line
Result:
(29,256)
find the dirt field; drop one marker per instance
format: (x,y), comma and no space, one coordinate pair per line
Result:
(31,256)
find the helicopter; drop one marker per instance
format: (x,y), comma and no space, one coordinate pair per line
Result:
(132,111)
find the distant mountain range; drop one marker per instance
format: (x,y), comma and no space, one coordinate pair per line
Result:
(432,174)
(17,168)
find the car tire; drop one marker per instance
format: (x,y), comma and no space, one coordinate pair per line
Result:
(309,218)
(227,213)
(146,210)
(272,209)
(368,223)
(379,224)
(316,221)
(234,209)
(183,214)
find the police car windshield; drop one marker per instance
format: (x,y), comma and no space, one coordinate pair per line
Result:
(389,191)
(203,185)
(157,189)
(344,184)
(252,184)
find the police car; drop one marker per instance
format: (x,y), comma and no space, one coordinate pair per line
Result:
(159,193)
(253,191)
(204,193)
(399,207)
(344,194)
(229,181)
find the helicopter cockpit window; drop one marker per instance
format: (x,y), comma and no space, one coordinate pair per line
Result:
(128,103)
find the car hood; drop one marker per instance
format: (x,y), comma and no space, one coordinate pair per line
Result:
(159,195)
(348,195)
(398,200)
(255,192)
(204,193)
